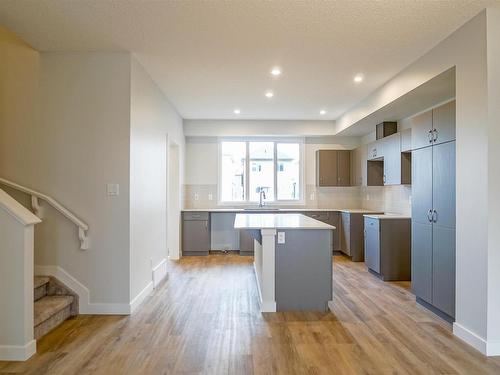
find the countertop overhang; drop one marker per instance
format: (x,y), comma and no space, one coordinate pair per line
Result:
(278,221)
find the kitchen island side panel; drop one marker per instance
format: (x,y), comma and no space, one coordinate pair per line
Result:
(304,270)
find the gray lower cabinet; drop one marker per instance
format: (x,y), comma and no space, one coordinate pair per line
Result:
(372,244)
(246,243)
(352,242)
(387,247)
(433,227)
(195,233)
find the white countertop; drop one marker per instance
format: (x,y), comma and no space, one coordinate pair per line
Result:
(277,210)
(278,221)
(388,216)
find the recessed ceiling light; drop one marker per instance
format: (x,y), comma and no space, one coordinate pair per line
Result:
(269,94)
(322,112)
(237,111)
(358,78)
(276,71)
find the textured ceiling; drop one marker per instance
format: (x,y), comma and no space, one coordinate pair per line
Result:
(210,57)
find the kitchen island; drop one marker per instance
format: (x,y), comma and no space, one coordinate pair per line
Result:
(292,261)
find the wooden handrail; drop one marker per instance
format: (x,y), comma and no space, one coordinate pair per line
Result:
(35,196)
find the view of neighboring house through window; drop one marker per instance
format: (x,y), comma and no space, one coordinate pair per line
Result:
(261,170)
(233,166)
(288,171)
(247,168)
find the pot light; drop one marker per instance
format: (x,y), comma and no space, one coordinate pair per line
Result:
(269,94)
(358,78)
(276,71)
(237,111)
(322,112)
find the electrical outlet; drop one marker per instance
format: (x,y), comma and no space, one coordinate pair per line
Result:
(196,196)
(367,197)
(210,196)
(311,196)
(113,189)
(281,237)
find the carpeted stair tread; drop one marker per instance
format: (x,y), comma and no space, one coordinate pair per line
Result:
(40,281)
(49,306)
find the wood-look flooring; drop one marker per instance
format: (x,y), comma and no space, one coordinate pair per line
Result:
(205,319)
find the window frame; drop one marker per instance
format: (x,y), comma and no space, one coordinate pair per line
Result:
(276,141)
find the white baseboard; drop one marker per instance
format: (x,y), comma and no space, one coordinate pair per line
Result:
(17,352)
(134,304)
(470,338)
(159,272)
(85,306)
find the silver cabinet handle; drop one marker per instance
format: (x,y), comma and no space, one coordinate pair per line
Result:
(434,216)
(384,178)
(435,135)
(429,216)
(430,136)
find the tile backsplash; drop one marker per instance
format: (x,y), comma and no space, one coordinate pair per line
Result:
(395,199)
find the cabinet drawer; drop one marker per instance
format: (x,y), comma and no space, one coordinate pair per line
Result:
(195,215)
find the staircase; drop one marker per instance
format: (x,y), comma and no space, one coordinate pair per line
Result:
(54,303)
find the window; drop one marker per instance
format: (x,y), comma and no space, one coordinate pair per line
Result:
(233,162)
(249,167)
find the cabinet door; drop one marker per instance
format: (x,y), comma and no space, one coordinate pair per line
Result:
(421,260)
(326,167)
(195,237)
(421,189)
(443,184)
(443,122)
(375,150)
(443,269)
(246,243)
(372,244)
(392,159)
(356,167)
(421,130)
(345,233)
(334,219)
(344,168)
(406,140)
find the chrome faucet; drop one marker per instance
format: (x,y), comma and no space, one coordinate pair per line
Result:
(262,196)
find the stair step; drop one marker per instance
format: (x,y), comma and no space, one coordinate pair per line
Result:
(40,281)
(48,306)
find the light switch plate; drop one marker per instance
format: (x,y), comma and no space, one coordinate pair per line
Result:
(113,189)
(281,237)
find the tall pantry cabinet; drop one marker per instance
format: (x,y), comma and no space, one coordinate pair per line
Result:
(433,209)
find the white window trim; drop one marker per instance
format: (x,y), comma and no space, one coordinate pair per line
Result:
(276,202)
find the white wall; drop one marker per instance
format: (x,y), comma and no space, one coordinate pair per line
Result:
(467,50)
(83,145)
(225,128)
(154,125)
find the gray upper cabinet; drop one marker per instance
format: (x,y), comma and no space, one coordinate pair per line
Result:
(392,159)
(421,130)
(358,166)
(333,168)
(443,122)
(406,140)
(433,127)
(375,150)
(344,168)
(326,167)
